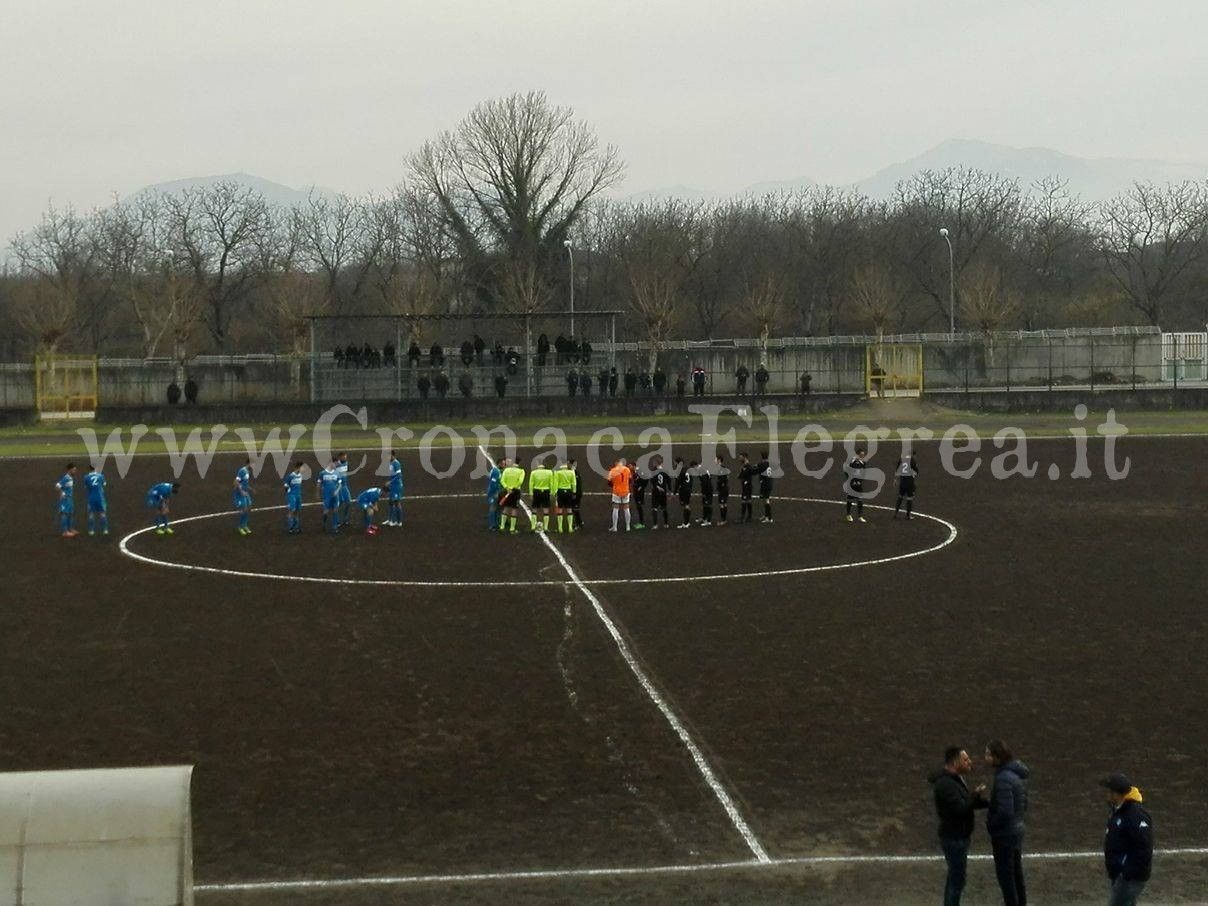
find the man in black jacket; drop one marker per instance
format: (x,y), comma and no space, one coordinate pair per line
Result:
(1128,844)
(1005,819)
(955,805)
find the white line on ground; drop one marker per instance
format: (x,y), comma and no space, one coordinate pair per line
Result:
(838,435)
(702,763)
(124,547)
(648,870)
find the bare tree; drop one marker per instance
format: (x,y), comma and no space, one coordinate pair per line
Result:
(59,257)
(653,247)
(876,297)
(217,231)
(340,242)
(1056,251)
(510,181)
(1152,241)
(981,212)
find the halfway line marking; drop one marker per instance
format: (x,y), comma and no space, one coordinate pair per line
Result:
(702,764)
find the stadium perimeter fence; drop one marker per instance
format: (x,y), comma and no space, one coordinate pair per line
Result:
(1134,358)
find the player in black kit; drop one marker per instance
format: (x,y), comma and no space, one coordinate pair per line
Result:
(746,484)
(722,480)
(683,489)
(908,473)
(853,484)
(660,486)
(641,478)
(705,479)
(765,485)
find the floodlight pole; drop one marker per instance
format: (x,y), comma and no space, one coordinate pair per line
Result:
(951,286)
(570,254)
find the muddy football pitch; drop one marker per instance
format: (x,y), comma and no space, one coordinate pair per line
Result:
(735,714)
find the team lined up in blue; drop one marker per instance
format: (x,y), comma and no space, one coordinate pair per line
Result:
(335,495)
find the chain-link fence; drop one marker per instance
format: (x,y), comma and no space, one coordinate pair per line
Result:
(1042,360)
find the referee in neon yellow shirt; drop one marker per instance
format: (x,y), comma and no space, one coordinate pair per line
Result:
(566,483)
(541,484)
(512,482)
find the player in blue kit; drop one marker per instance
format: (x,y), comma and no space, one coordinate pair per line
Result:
(367,500)
(241,497)
(345,495)
(395,517)
(329,493)
(66,488)
(293,499)
(98,507)
(157,500)
(493,487)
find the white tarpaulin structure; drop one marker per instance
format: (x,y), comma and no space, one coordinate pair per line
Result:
(109,836)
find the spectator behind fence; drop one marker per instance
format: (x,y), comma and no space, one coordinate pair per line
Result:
(560,355)
(173,393)
(602,377)
(805,383)
(542,350)
(501,385)
(681,384)
(367,355)
(414,353)
(741,373)
(465,384)
(513,361)
(698,381)
(586,351)
(191,391)
(645,383)
(479,346)
(631,381)
(572,382)
(497,354)
(338,357)
(436,356)
(659,381)
(388,358)
(761,380)
(613,379)
(423,385)
(585,383)
(442,384)
(467,352)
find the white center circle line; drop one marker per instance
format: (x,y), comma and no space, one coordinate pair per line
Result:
(124,548)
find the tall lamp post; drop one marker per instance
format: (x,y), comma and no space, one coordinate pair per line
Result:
(570,254)
(951,286)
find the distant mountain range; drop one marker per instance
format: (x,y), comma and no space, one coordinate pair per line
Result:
(1094,179)
(274,192)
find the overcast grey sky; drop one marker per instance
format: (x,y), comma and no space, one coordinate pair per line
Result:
(101,97)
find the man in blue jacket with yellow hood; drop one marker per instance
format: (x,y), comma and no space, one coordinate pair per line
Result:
(1128,843)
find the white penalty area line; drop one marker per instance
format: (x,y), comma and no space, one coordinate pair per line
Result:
(698,757)
(570,874)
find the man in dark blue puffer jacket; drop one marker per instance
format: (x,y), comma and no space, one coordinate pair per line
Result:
(1005,820)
